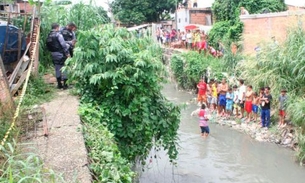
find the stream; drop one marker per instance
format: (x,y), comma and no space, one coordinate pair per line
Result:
(225,156)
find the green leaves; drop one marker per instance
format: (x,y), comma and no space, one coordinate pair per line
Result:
(106,160)
(189,67)
(121,82)
(139,11)
(228,25)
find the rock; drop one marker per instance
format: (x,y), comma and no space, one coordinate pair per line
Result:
(287,141)
(237,127)
(30,117)
(233,123)
(52,80)
(49,79)
(277,141)
(265,136)
(253,127)
(289,135)
(259,138)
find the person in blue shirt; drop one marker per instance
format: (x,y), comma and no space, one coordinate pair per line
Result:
(229,102)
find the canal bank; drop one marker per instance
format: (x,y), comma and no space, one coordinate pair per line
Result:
(227,155)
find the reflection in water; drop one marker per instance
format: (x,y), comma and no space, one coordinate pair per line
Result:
(225,156)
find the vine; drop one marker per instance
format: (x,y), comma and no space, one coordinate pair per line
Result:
(121,75)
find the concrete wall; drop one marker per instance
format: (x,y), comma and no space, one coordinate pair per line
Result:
(201,16)
(183,18)
(259,28)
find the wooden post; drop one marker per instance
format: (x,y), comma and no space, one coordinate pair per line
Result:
(6,100)
(19,43)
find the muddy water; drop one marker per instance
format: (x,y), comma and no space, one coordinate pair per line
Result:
(225,156)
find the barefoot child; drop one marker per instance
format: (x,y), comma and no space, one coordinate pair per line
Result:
(203,122)
(229,102)
(248,103)
(282,112)
(202,89)
(255,103)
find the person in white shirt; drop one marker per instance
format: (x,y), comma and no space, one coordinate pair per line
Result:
(241,97)
(189,39)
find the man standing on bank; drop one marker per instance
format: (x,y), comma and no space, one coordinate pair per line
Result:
(59,52)
(265,101)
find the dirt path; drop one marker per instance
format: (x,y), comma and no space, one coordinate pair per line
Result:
(64,149)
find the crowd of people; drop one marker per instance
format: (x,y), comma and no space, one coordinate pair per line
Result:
(190,39)
(239,102)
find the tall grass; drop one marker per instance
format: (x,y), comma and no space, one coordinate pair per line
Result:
(85,16)
(24,167)
(283,66)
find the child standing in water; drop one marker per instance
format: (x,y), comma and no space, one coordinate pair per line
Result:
(255,103)
(203,121)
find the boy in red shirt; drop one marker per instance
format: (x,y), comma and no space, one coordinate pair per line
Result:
(202,45)
(202,90)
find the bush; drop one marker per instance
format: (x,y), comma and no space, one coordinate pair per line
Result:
(189,67)
(106,161)
(121,75)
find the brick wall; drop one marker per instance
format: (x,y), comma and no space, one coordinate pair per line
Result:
(199,16)
(259,28)
(26,7)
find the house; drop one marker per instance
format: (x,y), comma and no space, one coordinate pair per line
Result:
(200,15)
(294,5)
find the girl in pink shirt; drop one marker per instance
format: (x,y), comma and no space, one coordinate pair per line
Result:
(203,121)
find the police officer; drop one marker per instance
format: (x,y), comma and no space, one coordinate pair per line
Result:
(60,52)
(68,33)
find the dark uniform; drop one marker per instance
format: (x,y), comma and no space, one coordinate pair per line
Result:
(59,52)
(69,36)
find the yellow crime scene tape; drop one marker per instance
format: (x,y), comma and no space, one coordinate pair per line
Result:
(16,114)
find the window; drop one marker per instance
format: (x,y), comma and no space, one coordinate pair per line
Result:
(185,19)
(179,20)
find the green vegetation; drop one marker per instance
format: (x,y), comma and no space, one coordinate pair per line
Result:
(122,77)
(228,25)
(140,11)
(276,65)
(190,66)
(17,166)
(105,158)
(282,66)
(37,92)
(24,167)
(84,16)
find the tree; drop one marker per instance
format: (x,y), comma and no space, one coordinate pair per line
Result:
(120,75)
(226,12)
(139,11)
